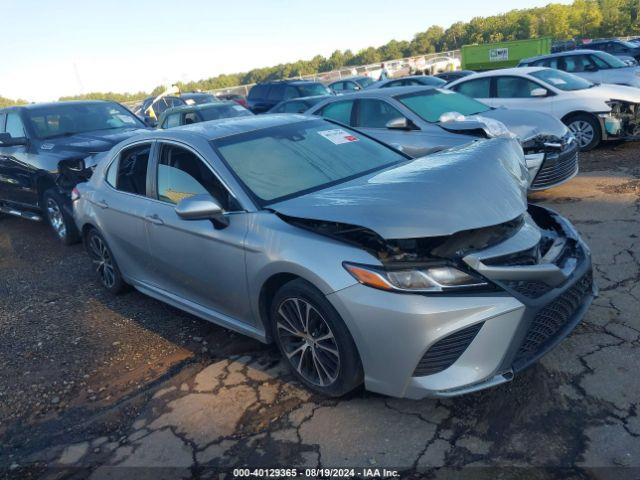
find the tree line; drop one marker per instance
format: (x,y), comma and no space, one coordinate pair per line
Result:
(581,19)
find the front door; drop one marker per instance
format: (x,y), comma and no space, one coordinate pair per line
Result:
(193,259)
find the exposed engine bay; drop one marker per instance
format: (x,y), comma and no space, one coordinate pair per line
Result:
(623,120)
(449,248)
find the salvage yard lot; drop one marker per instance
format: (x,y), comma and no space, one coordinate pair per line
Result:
(92,380)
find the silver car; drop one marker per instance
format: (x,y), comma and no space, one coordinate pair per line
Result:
(417,277)
(421,120)
(592,65)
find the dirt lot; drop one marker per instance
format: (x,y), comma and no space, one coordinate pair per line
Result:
(93,385)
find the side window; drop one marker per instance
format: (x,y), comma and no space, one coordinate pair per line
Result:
(191,117)
(276,92)
(132,169)
(594,58)
(14,125)
(290,92)
(375,113)
(576,63)
(514,87)
(479,88)
(395,83)
(294,107)
(350,86)
(338,111)
(112,174)
(172,120)
(3,119)
(181,174)
(338,87)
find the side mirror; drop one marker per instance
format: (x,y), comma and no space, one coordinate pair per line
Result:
(202,207)
(539,92)
(400,123)
(7,140)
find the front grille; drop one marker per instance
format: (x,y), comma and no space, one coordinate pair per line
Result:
(529,289)
(445,352)
(556,168)
(550,320)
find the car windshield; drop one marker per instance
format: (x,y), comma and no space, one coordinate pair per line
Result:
(223,111)
(562,80)
(430,105)
(312,89)
(364,82)
(290,160)
(65,119)
(613,61)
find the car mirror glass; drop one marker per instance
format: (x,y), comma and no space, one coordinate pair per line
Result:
(539,92)
(6,140)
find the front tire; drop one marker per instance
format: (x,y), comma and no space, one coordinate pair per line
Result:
(586,129)
(104,263)
(314,341)
(59,219)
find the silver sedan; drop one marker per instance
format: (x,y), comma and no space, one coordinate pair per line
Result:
(420,120)
(417,277)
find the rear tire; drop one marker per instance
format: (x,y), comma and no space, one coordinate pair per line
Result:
(60,221)
(586,128)
(314,341)
(104,263)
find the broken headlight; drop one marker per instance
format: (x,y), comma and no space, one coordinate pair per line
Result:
(441,278)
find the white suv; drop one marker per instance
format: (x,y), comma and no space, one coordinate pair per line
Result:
(592,112)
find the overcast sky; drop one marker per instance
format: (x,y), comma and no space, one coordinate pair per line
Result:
(50,49)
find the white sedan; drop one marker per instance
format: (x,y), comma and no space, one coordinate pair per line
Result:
(592,112)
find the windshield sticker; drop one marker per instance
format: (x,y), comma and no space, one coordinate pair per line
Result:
(47,146)
(239,108)
(190,101)
(126,119)
(557,81)
(337,136)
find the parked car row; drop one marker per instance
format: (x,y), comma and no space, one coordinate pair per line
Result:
(429,273)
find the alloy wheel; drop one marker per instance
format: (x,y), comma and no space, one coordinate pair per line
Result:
(102,261)
(54,212)
(583,131)
(308,341)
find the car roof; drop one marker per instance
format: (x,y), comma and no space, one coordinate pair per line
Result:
(311,97)
(354,77)
(199,106)
(32,106)
(568,53)
(225,127)
(383,92)
(518,71)
(288,82)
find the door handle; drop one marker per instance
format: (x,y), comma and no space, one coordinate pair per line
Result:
(155,219)
(102,204)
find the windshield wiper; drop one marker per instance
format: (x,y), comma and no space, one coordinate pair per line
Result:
(60,135)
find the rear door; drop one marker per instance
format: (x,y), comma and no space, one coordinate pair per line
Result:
(122,204)
(193,259)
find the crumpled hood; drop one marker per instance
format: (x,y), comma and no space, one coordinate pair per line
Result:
(477,185)
(524,124)
(84,144)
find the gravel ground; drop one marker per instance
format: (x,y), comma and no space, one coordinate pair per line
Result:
(95,385)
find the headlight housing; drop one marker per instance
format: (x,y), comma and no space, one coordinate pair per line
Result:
(419,279)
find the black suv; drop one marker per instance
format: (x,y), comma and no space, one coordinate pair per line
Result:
(46,150)
(264,96)
(619,48)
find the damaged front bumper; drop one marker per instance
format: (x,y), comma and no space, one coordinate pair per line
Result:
(416,346)
(622,122)
(552,163)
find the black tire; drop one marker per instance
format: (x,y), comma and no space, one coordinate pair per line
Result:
(325,331)
(104,263)
(586,128)
(60,221)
